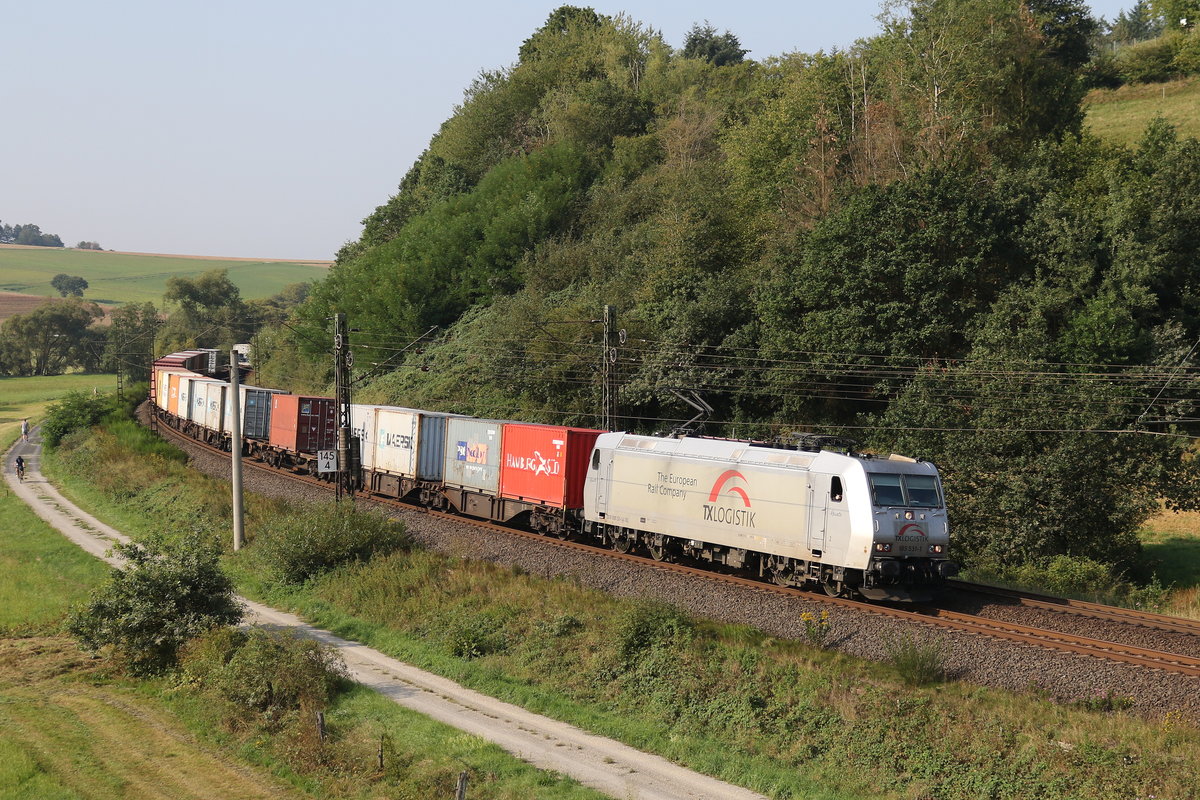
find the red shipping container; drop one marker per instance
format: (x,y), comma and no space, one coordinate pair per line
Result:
(545,464)
(303,424)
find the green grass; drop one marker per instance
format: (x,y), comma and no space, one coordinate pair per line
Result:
(124,278)
(778,716)
(22,398)
(1121,115)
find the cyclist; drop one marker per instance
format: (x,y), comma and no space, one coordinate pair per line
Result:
(20,468)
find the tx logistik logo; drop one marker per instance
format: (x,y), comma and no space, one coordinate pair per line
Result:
(912,532)
(729,514)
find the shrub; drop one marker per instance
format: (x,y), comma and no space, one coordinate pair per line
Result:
(1187,56)
(474,635)
(1149,62)
(917,661)
(265,673)
(75,411)
(647,625)
(164,596)
(316,539)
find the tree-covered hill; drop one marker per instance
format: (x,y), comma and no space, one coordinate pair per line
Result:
(910,240)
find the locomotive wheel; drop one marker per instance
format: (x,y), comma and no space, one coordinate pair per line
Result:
(832,588)
(658,551)
(781,577)
(621,544)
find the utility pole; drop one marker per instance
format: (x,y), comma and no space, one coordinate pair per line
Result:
(235,446)
(342,359)
(609,358)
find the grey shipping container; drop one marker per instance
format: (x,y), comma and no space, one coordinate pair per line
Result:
(256,412)
(472,457)
(431,446)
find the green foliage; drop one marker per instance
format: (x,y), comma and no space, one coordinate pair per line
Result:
(28,234)
(129,345)
(645,626)
(265,674)
(51,339)
(720,50)
(210,313)
(309,541)
(1150,61)
(76,411)
(919,662)
(69,284)
(163,596)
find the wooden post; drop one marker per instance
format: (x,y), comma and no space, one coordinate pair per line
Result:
(321,725)
(461,792)
(379,760)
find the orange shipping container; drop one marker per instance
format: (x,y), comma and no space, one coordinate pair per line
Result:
(545,464)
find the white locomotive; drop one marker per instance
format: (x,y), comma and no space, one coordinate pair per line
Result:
(854,524)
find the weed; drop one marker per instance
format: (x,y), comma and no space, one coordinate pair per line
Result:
(816,627)
(917,661)
(1106,701)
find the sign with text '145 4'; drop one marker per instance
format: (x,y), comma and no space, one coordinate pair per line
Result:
(327,461)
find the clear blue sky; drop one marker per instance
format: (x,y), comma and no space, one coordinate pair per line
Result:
(270,128)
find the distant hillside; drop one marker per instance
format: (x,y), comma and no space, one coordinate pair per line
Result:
(1121,115)
(115,278)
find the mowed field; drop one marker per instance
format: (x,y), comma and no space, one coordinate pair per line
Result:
(1121,115)
(115,278)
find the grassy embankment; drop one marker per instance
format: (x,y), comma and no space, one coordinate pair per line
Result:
(22,398)
(1172,545)
(786,718)
(73,728)
(115,278)
(1120,115)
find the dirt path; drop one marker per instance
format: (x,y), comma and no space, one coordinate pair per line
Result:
(602,764)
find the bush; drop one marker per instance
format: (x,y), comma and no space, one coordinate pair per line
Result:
(301,544)
(647,625)
(265,673)
(75,411)
(1187,56)
(1149,62)
(918,662)
(473,635)
(163,597)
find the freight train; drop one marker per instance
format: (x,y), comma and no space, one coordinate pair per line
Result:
(851,523)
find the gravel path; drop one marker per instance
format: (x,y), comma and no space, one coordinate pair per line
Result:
(976,659)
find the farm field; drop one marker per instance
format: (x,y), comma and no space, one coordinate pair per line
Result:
(1172,541)
(27,397)
(1121,115)
(115,278)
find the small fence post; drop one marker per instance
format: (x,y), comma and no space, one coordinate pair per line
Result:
(321,725)
(461,792)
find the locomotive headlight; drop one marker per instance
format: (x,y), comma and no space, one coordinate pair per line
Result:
(908,515)
(936,548)
(883,547)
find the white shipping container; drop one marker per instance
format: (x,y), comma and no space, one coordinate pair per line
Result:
(395,449)
(214,409)
(362,426)
(184,406)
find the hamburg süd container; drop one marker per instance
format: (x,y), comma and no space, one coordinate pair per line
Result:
(302,423)
(545,464)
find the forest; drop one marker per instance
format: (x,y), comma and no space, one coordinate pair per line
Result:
(912,242)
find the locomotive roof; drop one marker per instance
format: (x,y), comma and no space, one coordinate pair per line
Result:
(748,453)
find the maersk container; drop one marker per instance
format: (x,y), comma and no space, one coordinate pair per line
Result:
(545,464)
(303,424)
(362,427)
(473,454)
(410,443)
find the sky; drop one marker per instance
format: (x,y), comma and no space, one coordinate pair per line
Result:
(271,128)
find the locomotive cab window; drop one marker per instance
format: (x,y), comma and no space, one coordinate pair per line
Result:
(835,489)
(905,490)
(922,491)
(596,459)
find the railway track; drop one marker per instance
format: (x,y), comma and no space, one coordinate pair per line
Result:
(924,615)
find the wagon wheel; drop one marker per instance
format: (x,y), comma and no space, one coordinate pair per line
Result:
(658,550)
(832,588)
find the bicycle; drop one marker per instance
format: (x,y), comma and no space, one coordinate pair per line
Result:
(21,472)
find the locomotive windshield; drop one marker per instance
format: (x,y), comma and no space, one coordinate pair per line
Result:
(904,490)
